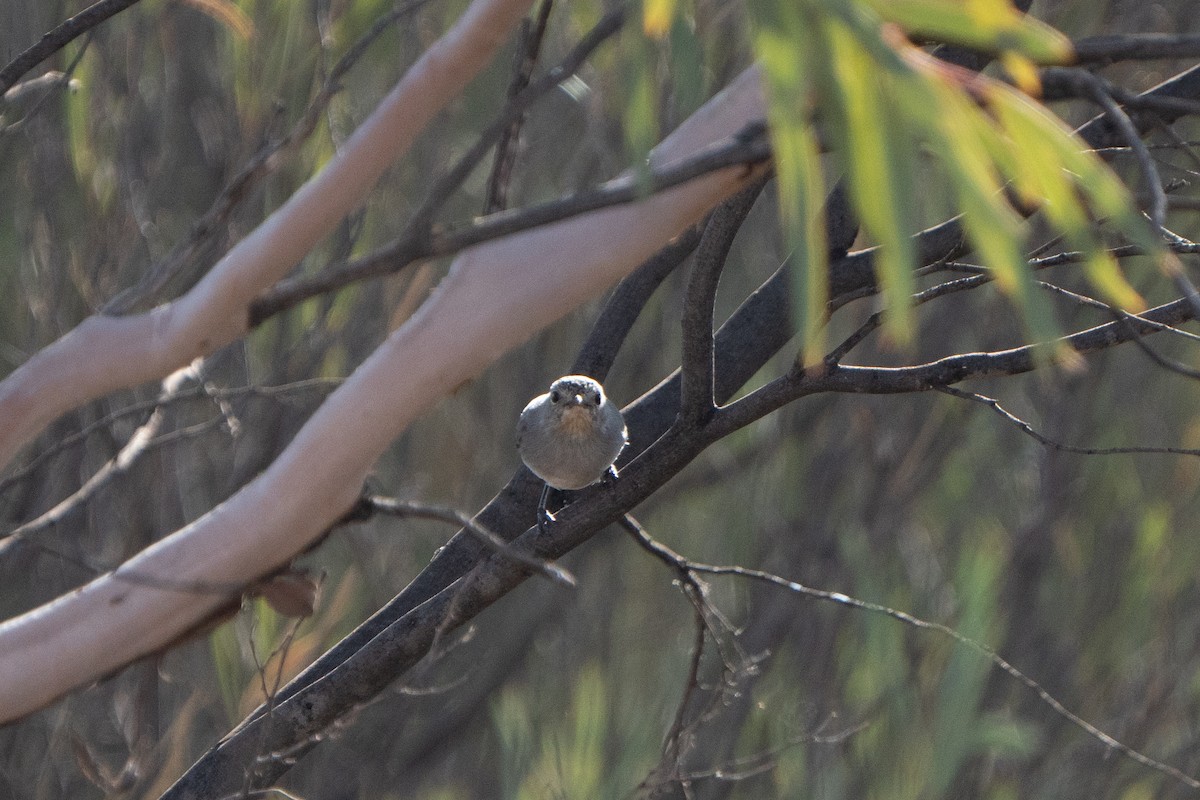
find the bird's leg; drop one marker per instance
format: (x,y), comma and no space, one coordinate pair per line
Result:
(543,513)
(609,478)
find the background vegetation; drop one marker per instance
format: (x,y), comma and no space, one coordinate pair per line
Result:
(1078,569)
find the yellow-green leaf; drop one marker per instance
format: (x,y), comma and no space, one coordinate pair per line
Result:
(985,24)
(879,160)
(657,16)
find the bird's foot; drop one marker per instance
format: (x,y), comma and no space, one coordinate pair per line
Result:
(545,517)
(609,479)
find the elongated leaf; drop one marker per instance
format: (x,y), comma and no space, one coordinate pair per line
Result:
(1041,148)
(657,16)
(993,227)
(784,45)
(985,24)
(879,160)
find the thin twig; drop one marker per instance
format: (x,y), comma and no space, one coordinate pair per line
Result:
(532,36)
(1029,430)
(979,276)
(1154,355)
(221,394)
(1094,88)
(734,151)
(54,40)
(259,166)
(404,508)
(682,563)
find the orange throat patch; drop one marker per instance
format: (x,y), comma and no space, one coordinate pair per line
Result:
(576,421)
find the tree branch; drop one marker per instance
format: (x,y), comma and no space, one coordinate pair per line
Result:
(696,372)
(58,38)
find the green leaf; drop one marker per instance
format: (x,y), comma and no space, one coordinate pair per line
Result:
(687,68)
(1047,151)
(993,227)
(785,49)
(641,111)
(994,25)
(657,16)
(880,163)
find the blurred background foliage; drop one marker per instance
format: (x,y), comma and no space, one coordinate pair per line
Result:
(1079,570)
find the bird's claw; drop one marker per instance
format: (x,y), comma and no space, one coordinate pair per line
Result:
(609,479)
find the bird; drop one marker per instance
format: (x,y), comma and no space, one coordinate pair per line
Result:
(570,437)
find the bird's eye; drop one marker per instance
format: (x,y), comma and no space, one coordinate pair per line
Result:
(595,399)
(555,396)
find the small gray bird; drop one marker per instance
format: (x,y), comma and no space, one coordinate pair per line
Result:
(570,436)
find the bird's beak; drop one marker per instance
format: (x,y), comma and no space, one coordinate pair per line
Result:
(578,399)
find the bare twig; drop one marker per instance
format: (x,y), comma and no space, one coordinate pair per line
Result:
(683,564)
(259,166)
(404,508)
(54,40)
(681,734)
(509,144)
(1139,46)
(979,276)
(1094,88)
(1029,430)
(120,464)
(404,251)
(1158,358)
(145,406)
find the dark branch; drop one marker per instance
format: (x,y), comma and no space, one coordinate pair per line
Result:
(1136,46)
(625,305)
(441,597)
(698,302)
(53,41)
(528,51)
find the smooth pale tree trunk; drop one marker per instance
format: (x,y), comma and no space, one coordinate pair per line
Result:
(495,296)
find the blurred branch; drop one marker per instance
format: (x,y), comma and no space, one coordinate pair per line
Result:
(138,444)
(147,290)
(147,406)
(54,40)
(29,96)
(529,48)
(1136,46)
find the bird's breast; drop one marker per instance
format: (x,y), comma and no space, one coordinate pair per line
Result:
(577,422)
